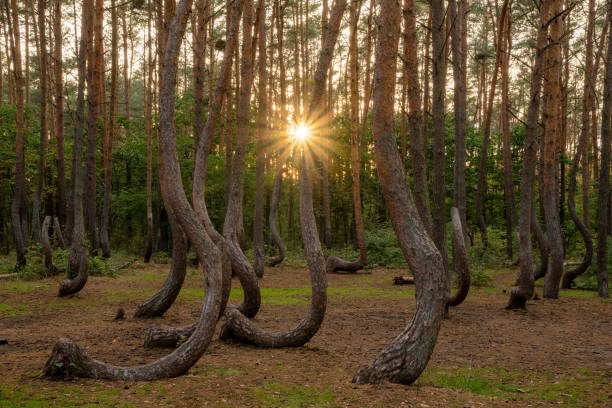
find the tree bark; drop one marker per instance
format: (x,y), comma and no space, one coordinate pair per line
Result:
(161,301)
(604,183)
(461,261)
(237,325)
(482,169)
(505,122)
(551,136)
(407,355)
(47,252)
(19,197)
(94,87)
(78,263)
(439,162)
(149,131)
(523,290)
(59,113)
(108,136)
(74,360)
(44,137)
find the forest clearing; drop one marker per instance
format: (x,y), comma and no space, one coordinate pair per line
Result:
(554,354)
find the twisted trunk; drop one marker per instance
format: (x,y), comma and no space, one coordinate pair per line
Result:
(461,260)
(74,361)
(523,290)
(239,326)
(78,263)
(407,355)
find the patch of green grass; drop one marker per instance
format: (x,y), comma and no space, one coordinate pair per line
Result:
(283,395)
(14,310)
(504,384)
(577,293)
(26,396)
(22,286)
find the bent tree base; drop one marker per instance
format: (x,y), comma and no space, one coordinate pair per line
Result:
(336,264)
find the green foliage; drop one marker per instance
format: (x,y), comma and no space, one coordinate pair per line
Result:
(99,266)
(161,257)
(383,249)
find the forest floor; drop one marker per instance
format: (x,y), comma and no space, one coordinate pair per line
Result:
(556,353)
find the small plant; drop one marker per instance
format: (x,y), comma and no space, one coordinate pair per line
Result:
(161,257)
(101,267)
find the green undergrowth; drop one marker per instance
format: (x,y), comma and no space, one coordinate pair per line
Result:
(274,394)
(499,383)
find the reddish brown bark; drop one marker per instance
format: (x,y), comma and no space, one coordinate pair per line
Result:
(59,113)
(523,290)
(407,355)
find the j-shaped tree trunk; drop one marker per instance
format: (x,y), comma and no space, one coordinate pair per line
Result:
(78,263)
(403,359)
(238,325)
(569,276)
(57,228)
(161,301)
(334,263)
(239,262)
(258,213)
(551,140)
(70,359)
(461,260)
(523,290)
(604,183)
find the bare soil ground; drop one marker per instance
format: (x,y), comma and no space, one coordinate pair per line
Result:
(556,353)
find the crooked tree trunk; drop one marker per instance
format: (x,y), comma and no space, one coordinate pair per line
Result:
(161,301)
(239,262)
(604,182)
(461,260)
(58,233)
(551,136)
(335,263)
(78,263)
(74,361)
(569,276)
(407,355)
(238,325)
(523,290)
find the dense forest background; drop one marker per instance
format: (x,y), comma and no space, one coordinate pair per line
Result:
(123,94)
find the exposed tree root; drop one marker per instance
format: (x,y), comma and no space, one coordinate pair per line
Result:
(336,264)
(461,261)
